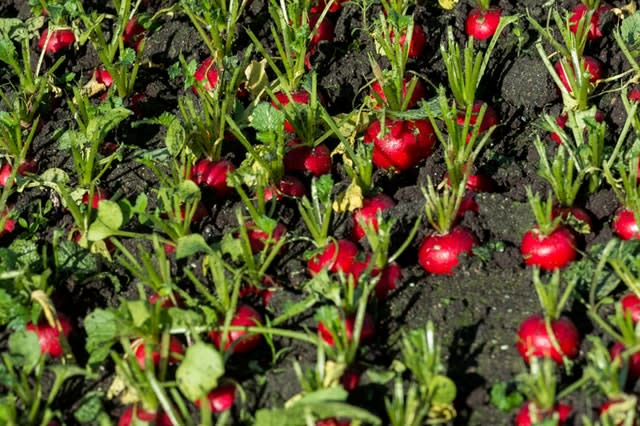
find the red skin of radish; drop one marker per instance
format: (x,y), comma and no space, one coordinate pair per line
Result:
(489,119)
(591,65)
(630,303)
(350,379)
(98,195)
(333,422)
(60,39)
(208,73)
(404,144)
(534,341)
(299,97)
(523,418)
(562,119)
(367,332)
(634,95)
(103,77)
(213,174)
(387,281)
(324,32)
(220,399)
(368,212)
(133,33)
(321,4)
(142,415)
(594,27)
(633,361)
(165,301)
(49,337)
(418,41)
(258,238)
(27,166)
(419,92)
(482,23)
(245,316)
(175,347)
(439,254)
(578,213)
(290,186)
(302,158)
(625,225)
(549,252)
(336,256)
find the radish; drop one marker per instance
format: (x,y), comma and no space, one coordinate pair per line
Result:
(142,415)
(242,341)
(419,92)
(258,238)
(290,186)
(299,97)
(60,39)
(482,23)
(367,332)
(133,33)
(439,253)
(208,73)
(368,212)
(387,282)
(324,31)
(562,119)
(103,76)
(213,174)
(625,225)
(350,379)
(98,195)
(634,95)
(336,256)
(580,10)
(591,66)
(165,301)
(403,144)
(633,372)
(175,348)
(489,119)
(418,41)
(49,336)
(302,158)
(535,341)
(221,398)
(28,166)
(9,224)
(320,5)
(526,417)
(549,252)
(332,421)
(630,304)
(575,213)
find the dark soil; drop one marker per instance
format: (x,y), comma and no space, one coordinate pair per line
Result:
(476,311)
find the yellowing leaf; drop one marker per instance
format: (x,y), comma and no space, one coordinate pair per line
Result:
(447,4)
(349,200)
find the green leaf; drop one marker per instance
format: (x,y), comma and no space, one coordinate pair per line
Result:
(90,407)
(190,245)
(182,318)
(109,220)
(630,30)
(231,246)
(8,52)
(200,370)
(103,328)
(128,56)
(505,399)
(24,348)
(27,253)
(266,118)
(139,311)
(72,139)
(73,259)
(444,389)
(100,126)
(176,138)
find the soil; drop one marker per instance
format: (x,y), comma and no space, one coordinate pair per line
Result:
(476,311)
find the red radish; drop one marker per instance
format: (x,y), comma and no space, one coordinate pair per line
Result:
(477,183)
(350,379)
(634,95)
(133,33)
(562,119)
(535,341)
(549,252)
(9,224)
(137,102)
(300,97)
(320,5)
(625,225)
(221,398)
(418,41)
(367,332)
(264,292)
(324,32)
(208,73)
(614,414)
(403,144)
(27,166)
(591,66)
(468,204)
(332,421)
(419,92)
(289,186)
(242,341)
(633,361)
(175,348)
(49,337)
(594,26)
(302,158)
(165,301)
(489,119)
(576,213)
(258,238)
(213,174)
(630,303)
(439,254)
(525,415)
(389,277)
(98,195)
(336,256)
(368,212)
(103,77)
(482,23)
(126,418)
(60,39)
